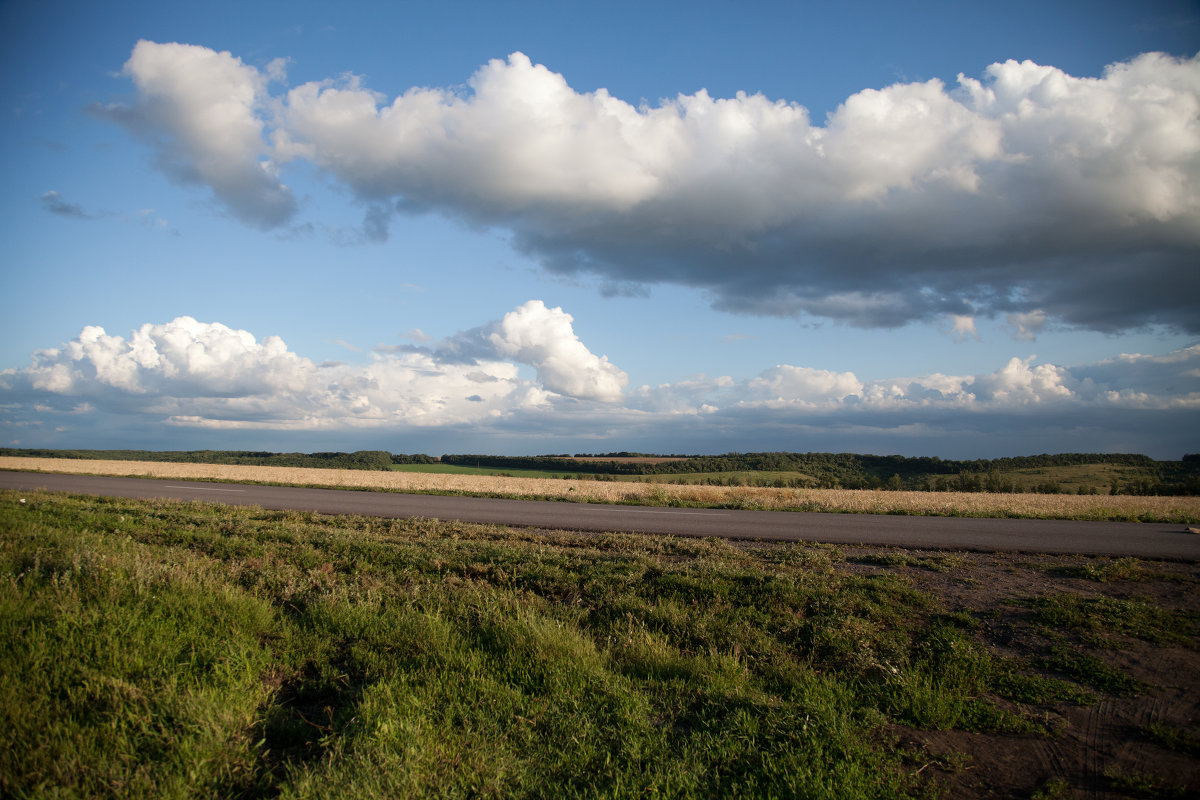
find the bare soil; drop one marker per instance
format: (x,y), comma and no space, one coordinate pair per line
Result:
(1100,751)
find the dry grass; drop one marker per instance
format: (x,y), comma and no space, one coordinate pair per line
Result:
(1098,507)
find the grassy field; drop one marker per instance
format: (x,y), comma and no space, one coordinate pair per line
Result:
(1072,478)
(968,504)
(162,649)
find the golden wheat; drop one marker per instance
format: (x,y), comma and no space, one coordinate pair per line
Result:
(1172,509)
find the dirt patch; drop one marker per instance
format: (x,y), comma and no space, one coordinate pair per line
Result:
(1124,631)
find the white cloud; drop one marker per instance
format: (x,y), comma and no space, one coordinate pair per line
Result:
(1029,191)
(1019,383)
(786,385)
(203,112)
(1026,326)
(198,373)
(543,338)
(963,327)
(190,375)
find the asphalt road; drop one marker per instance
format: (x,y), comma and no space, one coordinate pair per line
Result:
(1142,540)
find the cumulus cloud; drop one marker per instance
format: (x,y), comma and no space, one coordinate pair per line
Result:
(1027,191)
(544,338)
(202,111)
(204,376)
(207,374)
(788,385)
(1019,386)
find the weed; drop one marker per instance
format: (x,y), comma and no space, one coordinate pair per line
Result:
(1173,738)
(1041,690)
(1103,616)
(1053,789)
(1104,570)
(1141,784)
(1089,670)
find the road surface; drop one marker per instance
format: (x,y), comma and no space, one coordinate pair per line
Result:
(1139,539)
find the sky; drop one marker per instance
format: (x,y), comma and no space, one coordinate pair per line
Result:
(949,229)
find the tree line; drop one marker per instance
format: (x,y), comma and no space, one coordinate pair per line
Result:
(360,459)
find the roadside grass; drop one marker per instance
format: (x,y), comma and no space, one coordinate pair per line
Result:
(1104,570)
(1123,508)
(1142,785)
(1173,738)
(191,650)
(1067,632)
(1131,617)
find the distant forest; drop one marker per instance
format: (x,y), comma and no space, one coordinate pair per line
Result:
(1138,474)
(361,459)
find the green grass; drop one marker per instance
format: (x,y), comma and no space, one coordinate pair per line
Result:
(1053,789)
(1132,617)
(1073,477)
(185,650)
(1103,570)
(1173,738)
(1142,785)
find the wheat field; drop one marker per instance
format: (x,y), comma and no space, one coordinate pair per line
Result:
(1090,507)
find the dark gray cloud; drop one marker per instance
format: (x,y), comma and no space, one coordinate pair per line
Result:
(54,203)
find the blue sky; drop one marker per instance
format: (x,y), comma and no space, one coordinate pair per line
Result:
(964,230)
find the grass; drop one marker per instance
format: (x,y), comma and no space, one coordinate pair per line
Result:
(1141,785)
(1053,789)
(1172,738)
(963,504)
(1074,477)
(179,650)
(1105,570)
(1110,615)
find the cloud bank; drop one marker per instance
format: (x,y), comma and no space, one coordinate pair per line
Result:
(194,373)
(205,376)
(1028,193)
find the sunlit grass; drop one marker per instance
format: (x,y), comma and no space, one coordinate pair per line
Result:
(174,649)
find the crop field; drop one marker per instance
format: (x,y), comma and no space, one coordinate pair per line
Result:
(758,477)
(968,504)
(459,469)
(167,649)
